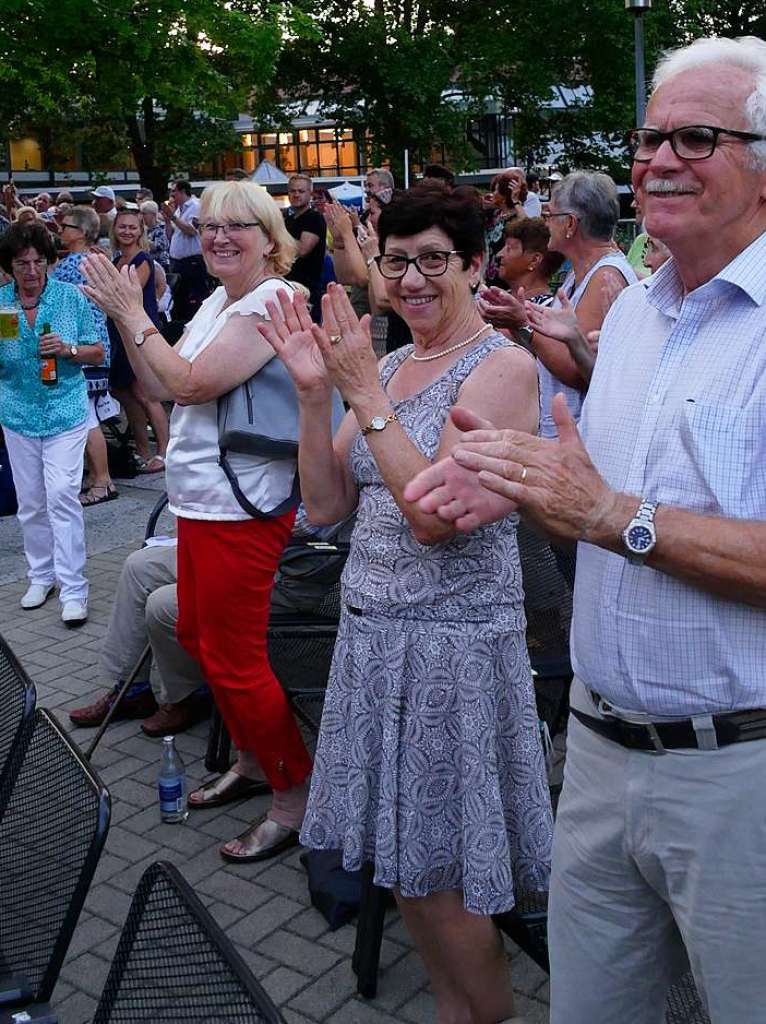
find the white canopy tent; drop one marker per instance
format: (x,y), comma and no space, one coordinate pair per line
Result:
(266,173)
(348,194)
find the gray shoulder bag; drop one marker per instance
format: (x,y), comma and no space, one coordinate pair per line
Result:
(260,417)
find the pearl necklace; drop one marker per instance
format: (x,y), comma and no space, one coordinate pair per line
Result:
(454,348)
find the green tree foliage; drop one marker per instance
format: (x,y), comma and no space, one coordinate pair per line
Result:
(388,66)
(161,78)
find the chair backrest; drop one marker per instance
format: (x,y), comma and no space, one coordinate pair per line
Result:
(173,963)
(684,1005)
(17,708)
(53,822)
(548,576)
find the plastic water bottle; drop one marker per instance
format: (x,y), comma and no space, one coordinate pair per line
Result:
(172,784)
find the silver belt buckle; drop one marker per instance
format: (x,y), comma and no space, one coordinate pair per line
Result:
(607,711)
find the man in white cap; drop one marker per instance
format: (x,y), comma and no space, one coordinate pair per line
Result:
(104,205)
(103,202)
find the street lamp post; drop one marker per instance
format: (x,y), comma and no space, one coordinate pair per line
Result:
(637,8)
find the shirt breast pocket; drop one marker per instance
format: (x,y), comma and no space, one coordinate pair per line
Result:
(720,445)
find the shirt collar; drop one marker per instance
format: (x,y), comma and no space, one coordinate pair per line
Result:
(665,291)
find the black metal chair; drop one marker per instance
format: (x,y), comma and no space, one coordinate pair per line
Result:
(54,817)
(548,576)
(17,709)
(300,645)
(173,963)
(684,1003)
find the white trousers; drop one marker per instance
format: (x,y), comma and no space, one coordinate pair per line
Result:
(656,857)
(47,473)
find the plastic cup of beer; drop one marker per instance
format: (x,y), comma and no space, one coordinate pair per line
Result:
(9,323)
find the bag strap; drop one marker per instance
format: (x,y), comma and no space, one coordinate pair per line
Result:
(244,502)
(291,502)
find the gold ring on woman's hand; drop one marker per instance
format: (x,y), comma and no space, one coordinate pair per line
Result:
(523,476)
(336,339)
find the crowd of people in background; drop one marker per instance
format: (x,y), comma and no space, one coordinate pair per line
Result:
(473,335)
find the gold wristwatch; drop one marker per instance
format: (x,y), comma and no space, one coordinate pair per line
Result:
(378,423)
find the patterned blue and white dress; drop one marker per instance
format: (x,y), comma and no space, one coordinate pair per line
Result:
(429,760)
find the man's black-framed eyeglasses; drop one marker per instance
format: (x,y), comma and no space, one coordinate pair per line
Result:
(429,264)
(689,142)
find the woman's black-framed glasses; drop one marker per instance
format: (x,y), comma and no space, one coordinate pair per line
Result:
(689,142)
(429,264)
(211,229)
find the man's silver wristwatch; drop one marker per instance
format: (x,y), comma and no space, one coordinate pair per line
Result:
(640,536)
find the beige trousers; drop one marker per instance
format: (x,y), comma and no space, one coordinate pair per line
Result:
(656,857)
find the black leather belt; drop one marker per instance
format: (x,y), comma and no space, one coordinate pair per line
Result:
(732,727)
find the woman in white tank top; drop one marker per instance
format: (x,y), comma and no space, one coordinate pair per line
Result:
(582,216)
(226,560)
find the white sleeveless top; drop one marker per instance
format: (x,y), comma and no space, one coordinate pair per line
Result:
(197,486)
(550,385)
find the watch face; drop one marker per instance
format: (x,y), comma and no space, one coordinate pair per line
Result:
(640,538)
(378,423)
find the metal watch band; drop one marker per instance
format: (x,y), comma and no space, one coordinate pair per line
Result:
(646,511)
(378,423)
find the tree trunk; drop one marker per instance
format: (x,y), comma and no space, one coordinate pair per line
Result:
(142,148)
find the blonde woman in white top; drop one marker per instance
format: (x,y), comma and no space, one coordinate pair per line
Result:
(226,560)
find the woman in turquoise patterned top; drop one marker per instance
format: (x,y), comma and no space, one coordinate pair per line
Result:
(45,425)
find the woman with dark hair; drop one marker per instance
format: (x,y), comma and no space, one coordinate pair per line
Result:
(48,336)
(509,190)
(429,761)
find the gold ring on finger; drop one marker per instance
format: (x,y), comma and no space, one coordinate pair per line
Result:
(336,339)
(523,476)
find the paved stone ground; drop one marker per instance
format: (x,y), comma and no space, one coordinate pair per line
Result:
(264,908)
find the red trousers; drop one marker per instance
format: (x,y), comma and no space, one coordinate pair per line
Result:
(225,577)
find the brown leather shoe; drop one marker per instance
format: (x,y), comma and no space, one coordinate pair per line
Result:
(130,707)
(170,719)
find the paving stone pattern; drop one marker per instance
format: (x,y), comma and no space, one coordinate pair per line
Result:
(264,908)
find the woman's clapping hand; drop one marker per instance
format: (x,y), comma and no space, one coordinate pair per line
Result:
(339,352)
(290,333)
(117,292)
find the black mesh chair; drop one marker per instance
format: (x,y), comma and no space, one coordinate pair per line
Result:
(684,1003)
(173,963)
(54,818)
(300,645)
(17,709)
(548,575)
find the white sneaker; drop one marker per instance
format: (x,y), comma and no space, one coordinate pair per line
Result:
(74,613)
(37,594)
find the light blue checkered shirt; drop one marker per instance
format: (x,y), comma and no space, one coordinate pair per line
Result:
(676,413)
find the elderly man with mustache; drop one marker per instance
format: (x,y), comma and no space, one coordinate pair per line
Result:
(660,843)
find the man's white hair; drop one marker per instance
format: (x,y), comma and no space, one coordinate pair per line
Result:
(747,52)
